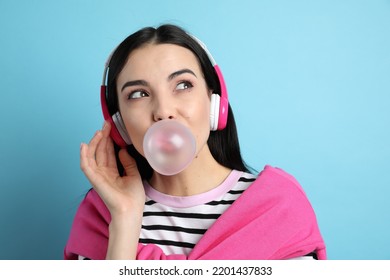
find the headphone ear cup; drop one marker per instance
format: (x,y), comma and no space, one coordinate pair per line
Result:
(115,121)
(214,111)
(223,113)
(120,126)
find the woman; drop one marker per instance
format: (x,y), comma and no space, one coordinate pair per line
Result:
(133,212)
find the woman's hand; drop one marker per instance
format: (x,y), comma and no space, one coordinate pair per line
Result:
(120,194)
(123,196)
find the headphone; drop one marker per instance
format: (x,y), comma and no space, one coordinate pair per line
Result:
(218,109)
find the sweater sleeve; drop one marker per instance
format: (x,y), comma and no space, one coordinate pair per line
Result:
(89,232)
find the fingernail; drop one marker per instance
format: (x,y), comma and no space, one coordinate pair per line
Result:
(105,124)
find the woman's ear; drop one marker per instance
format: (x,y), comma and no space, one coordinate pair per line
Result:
(210,92)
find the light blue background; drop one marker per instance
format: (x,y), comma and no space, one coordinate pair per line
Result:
(309,82)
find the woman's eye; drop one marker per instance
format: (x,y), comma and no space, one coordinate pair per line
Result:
(137,94)
(183,85)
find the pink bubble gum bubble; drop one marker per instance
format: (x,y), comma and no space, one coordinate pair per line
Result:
(169,147)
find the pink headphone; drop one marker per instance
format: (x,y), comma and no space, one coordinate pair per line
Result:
(218,110)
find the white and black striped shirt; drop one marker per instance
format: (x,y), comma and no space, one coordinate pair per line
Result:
(176,224)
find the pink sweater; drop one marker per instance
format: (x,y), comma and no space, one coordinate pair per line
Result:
(272,219)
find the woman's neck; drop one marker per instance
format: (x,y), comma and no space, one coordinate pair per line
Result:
(202,175)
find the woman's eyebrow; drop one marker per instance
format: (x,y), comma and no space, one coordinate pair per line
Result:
(135,83)
(145,83)
(180,72)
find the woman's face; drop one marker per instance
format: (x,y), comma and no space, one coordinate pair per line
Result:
(163,81)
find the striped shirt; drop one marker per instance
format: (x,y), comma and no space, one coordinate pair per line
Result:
(176,224)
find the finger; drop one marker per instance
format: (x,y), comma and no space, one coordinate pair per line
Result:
(93,145)
(111,153)
(106,128)
(101,150)
(90,169)
(129,163)
(111,159)
(85,164)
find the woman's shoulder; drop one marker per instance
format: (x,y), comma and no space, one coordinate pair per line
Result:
(278,175)
(276,181)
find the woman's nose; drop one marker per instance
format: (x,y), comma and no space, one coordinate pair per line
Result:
(163,109)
